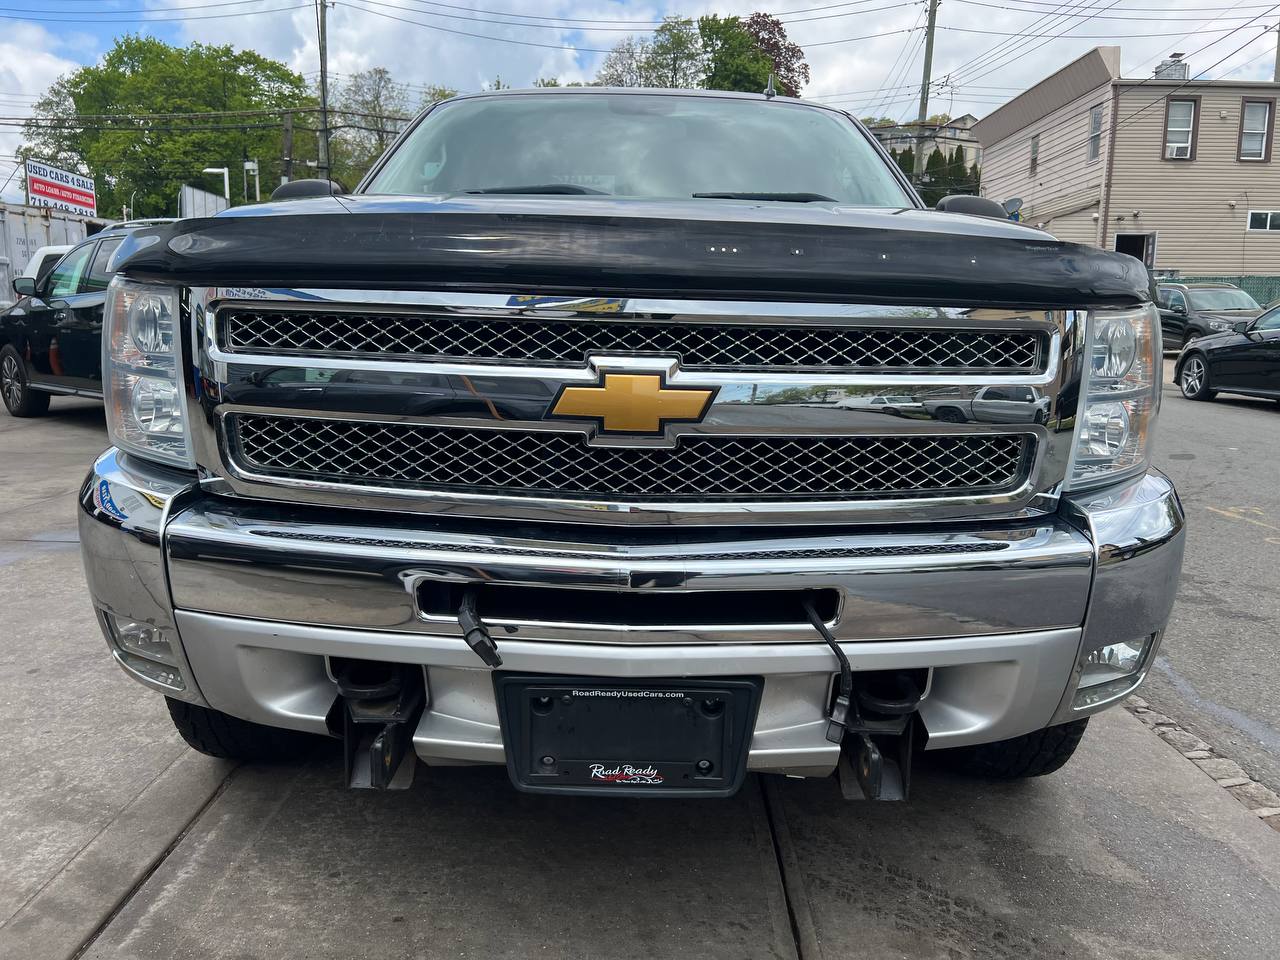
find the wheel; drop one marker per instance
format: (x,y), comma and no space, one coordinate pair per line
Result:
(1031,755)
(219,734)
(19,399)
(1193,378)
(950,415)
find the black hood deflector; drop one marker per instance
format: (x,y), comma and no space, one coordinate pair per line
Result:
(929,259)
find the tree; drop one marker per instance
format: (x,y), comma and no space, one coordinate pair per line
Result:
(790,71)
(547,82)
(906,161)
(149,160)
(938,119)
(627,65)
(732,59)
(434,93)
(368,112)
(936,185)
(675,56)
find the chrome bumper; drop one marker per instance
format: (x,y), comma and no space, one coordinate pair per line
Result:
(256,596)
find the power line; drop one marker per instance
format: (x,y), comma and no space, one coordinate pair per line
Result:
(106,19)
(1102,16)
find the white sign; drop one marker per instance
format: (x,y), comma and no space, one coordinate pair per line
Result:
(50,187)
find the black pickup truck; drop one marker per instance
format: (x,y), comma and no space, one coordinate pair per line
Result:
(544,448)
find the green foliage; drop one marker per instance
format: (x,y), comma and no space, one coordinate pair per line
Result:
(153,158)
(936,180)
(547,82)
(733,61)
(906,160)
(366,114)
(790,70)
(716,53)
(675,54)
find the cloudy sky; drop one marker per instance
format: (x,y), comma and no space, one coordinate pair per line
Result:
(865,55)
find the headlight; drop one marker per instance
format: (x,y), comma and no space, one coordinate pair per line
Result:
(1120,395)
(142,378)
(1221,326)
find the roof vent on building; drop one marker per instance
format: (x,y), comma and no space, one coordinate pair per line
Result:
(1175,68)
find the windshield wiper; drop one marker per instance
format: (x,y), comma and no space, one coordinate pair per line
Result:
(778,197)
(544,188)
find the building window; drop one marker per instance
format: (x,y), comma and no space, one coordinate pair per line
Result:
(1095,133)
(1256,122)
(1180,121)
(1035,152)
(1264,220)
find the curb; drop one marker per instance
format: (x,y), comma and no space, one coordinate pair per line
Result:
(1258,799)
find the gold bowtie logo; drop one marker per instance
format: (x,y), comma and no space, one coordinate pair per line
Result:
(636,403)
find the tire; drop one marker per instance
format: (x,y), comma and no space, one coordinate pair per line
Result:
(219,734)
(950,415)
(1193,378)
(19,399)
(1032,755)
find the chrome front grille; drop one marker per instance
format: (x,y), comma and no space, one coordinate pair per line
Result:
(562,465)
(708,345)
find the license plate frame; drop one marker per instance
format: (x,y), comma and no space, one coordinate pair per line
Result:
(642,737)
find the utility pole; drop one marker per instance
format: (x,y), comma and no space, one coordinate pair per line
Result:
(1276,77)
(918,153)
(287,140)
(322,8)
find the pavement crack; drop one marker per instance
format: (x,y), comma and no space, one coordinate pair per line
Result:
(802,930)
(129,894)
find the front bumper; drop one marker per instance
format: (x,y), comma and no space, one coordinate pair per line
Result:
(255,597)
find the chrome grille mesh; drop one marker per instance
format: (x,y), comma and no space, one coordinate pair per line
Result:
(704,345)
(705,468)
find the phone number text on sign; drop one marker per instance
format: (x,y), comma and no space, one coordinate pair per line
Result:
(61,189)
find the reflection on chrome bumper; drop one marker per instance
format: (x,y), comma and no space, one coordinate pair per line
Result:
(260,594)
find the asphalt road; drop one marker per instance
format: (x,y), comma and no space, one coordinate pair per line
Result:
(1219,669)
(116,841)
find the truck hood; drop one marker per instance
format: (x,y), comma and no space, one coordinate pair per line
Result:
(586,246)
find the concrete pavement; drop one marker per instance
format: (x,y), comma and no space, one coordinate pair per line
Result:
(1219,669)
(120,842)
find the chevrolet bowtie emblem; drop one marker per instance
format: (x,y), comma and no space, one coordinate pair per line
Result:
(635,403)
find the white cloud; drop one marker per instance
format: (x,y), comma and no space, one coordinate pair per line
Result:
(28,65)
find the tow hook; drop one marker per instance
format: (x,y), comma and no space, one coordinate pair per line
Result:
(872,715)
(381,704)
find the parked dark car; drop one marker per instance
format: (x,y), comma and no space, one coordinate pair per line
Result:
(1245,360)
(51,338)
(1191,310)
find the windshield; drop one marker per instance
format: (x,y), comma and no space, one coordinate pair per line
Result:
(1222,298)
(640,145)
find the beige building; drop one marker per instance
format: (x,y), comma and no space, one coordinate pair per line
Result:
(1178,173)
(945,137)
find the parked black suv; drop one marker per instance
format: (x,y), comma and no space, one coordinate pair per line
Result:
(51,339)
(1191,310)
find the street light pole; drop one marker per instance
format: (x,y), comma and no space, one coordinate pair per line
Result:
(226,180)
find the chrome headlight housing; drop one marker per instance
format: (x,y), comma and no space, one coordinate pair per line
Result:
(1221,326)
(141,373)
(1120,395)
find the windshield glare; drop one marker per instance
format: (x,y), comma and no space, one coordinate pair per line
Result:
(1224,298)
(639,145)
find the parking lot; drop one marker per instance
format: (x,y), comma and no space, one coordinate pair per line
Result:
(121,842)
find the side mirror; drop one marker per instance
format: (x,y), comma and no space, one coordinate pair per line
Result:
(24,286)
(296,189)
(1179,308)
(1242,327)
(974,206)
